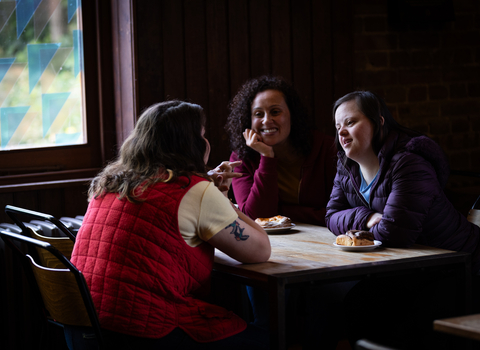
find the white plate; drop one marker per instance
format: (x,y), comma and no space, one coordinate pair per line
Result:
(360,248)
(278,229)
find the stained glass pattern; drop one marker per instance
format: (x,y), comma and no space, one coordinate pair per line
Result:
(5,64)
(41,74)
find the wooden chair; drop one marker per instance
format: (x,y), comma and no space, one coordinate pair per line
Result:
(474,213)
(63,244)
(14,212)
(64,292)
(47,259)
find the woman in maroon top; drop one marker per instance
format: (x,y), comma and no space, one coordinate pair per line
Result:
(288,168)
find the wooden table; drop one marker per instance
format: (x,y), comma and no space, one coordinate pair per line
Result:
(465,326)
(306,254)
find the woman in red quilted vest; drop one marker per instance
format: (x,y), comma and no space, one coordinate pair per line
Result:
(147,241)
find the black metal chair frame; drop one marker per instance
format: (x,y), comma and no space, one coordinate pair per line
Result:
(80,279)
(476,204)
(12,212)
(365,344)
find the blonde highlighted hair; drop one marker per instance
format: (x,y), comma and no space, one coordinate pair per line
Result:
(166,143)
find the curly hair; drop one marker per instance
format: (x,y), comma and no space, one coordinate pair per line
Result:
(240,117)
(166,143)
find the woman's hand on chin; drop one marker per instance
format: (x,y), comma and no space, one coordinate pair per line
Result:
(255,141)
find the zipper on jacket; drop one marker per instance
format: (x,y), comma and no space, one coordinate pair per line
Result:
(362,198)
(357,191)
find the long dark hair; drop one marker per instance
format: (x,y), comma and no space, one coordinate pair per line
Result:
(166,143)
(240,117)
(373,107)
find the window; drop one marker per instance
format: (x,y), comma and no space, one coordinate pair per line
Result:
(53,90)
(41,74)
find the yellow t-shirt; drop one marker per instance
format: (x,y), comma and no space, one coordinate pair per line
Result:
(203,212)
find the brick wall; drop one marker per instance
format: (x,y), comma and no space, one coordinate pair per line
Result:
(429,75)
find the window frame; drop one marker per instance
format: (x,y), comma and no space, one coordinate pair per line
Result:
(77,161)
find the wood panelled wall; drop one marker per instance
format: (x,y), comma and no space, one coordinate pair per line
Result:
(63,199)
(204,50)
(197,50)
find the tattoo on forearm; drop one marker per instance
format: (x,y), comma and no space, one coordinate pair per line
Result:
(237,231)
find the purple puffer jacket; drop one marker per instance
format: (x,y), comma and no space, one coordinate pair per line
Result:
(408,192)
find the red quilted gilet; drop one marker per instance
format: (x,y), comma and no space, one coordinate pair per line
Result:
(144,279)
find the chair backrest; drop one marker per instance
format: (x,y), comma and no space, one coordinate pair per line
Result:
(63,244)
(47,259)
(61,295)
(76,223)
(65,293)
(13,212)
(474,213)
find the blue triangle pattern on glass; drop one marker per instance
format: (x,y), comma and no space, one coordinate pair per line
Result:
(72,8)
(51,106)
(6,10)
(77,52)
(39,56)
(25,11)
(10,119)
(67,138)
(5,64)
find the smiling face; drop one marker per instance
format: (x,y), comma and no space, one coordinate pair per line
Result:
(271,117)
(355,132)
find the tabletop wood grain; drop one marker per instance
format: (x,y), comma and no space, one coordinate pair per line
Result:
(465,326)
(311,247)
(306,254)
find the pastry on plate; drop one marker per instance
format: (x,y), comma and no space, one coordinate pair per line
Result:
(356,238)
(277,221)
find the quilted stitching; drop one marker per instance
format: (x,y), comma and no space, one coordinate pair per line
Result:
(141,273)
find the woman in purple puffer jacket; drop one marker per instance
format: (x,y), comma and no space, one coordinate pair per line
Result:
(390,181)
